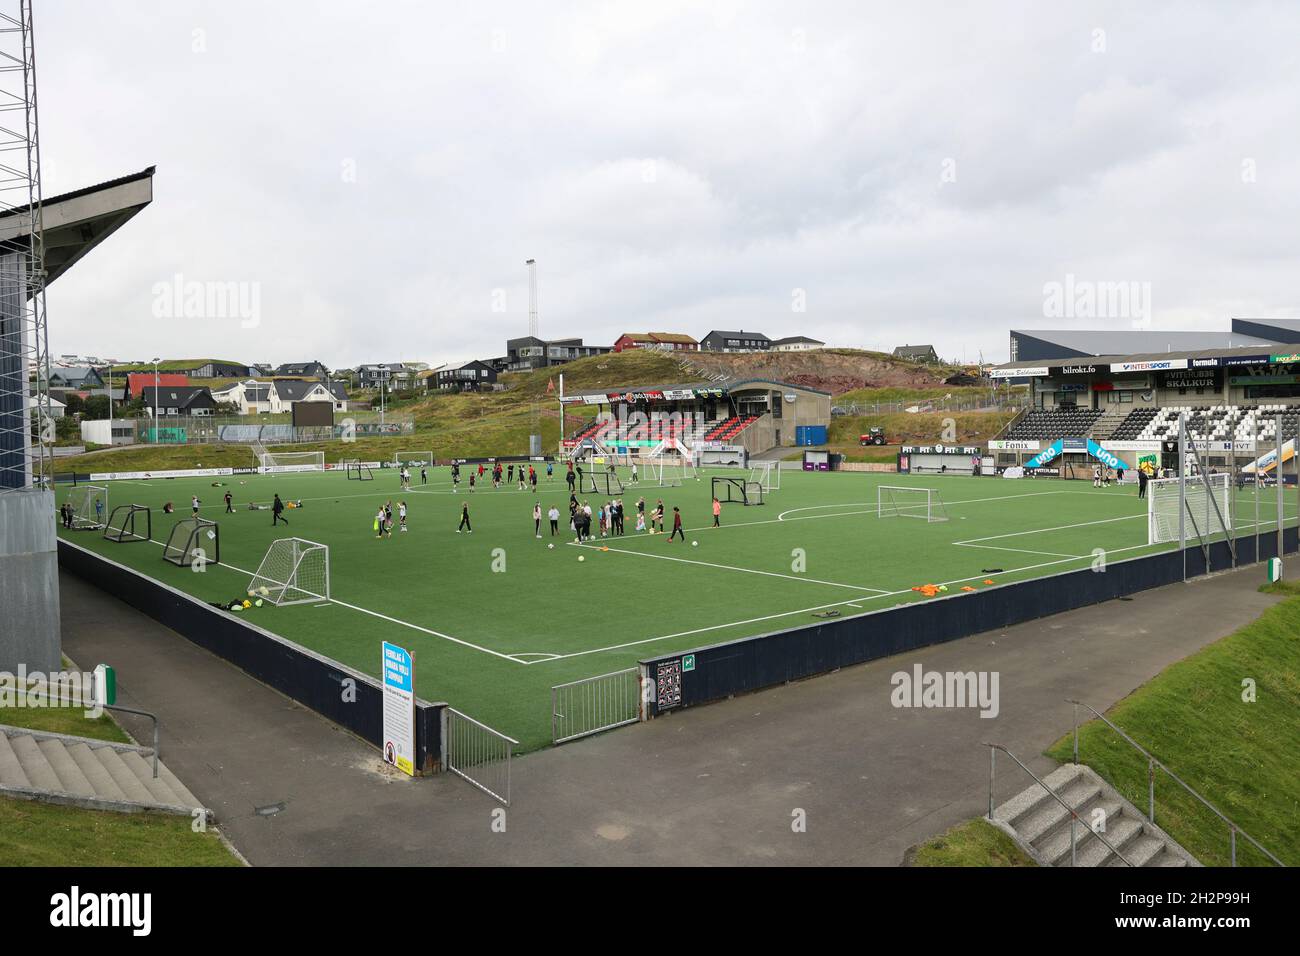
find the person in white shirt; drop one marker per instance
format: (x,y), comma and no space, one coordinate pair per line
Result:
(401,514)
(554,516)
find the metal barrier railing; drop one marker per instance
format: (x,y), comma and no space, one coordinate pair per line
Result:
(1074,816)
(477,753)
(1152,764)
(584,707)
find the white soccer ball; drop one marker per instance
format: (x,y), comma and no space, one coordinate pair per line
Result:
(695,544)
(581,558)
(550,547)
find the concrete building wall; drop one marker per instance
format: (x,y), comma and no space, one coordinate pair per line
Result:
(29,581)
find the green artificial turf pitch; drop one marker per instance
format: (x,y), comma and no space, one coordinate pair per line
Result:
(495,618)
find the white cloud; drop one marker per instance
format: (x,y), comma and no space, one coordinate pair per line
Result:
(671,166)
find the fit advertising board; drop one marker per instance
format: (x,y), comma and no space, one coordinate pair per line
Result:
(398,668)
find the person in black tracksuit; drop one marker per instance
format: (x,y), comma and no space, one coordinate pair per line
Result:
(677,526)
(1143,478)
(277,506)
(464,518)
(230,510)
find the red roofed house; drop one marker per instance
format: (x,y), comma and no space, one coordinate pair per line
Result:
(137,382)
(664,341)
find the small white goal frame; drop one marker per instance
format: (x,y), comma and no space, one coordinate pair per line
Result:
(1203,519)
(283,571)
(83,498)
(293,460)
(888,507)
(767,474)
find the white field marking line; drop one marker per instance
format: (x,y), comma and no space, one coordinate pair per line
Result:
(1063,527)
(698,630)
(393,620)
(994,547)
(874,508)
(877,597)
(728,567)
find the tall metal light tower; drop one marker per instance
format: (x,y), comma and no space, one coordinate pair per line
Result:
(535,436)
(26,459)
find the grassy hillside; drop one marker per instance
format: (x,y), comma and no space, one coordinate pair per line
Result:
(1240,756)
(499,423)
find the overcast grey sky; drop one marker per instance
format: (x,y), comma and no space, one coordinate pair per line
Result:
(903,172)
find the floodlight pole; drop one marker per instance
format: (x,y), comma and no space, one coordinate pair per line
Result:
(155,404)
(1182,489)
(1278,467)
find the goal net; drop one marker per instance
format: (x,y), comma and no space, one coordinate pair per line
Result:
(895,501)
(294,571)
(358,470)
(1204,492)
(737,489)
(601,482)
(294,460)
(89,506)
(129,523)
(416,458)
(767,474)
(193,541)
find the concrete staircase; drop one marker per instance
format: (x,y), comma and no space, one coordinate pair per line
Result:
(1042,826)
(1105,426)
(84,772)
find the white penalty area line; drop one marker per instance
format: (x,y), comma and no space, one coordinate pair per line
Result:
(392,620)
(727,567)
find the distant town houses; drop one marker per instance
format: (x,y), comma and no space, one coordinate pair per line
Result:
(662,341)
(285,391)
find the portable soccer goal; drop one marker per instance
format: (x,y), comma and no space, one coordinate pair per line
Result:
(294,460)
(767,474)
(193,541)
(1208,507)
(129,523)
(293,571)
(89,507)
(358,470)
(601,482)
(896,501)
(413,458)
(737,489)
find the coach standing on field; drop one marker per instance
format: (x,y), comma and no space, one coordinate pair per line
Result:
(1143,478)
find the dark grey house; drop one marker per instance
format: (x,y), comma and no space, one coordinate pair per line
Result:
(304,369)
(742,341)
(916,353)
(171,400)
(466,377)
(530,352)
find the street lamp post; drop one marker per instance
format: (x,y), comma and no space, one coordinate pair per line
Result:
(155,401)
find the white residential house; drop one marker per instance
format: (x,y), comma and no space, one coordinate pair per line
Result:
(284,392)
(796,343)
(252,397)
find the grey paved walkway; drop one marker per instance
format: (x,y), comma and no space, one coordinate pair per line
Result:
(711,785)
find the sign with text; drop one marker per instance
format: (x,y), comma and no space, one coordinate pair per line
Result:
(398,668)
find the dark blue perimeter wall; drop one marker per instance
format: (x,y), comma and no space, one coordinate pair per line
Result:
(308,678)
(707,674)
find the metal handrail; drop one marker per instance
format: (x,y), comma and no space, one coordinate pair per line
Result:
(141,713)
(1074,816)
(1152,763)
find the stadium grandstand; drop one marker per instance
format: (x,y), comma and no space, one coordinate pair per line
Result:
(736,419)
(1239,402)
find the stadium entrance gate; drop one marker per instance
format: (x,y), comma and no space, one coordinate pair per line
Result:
(477,753)
(584,707)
